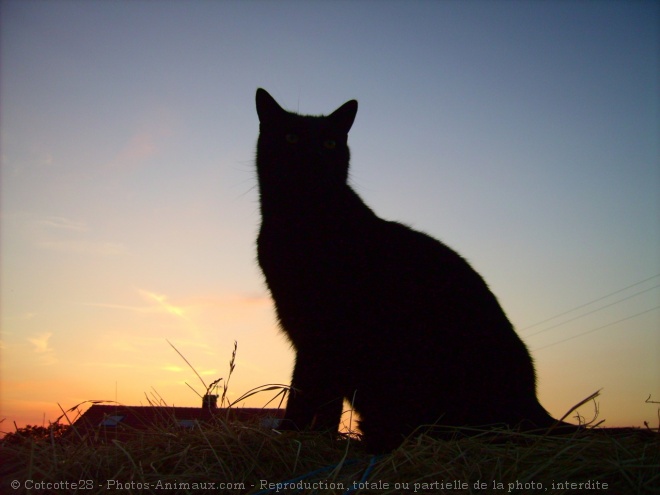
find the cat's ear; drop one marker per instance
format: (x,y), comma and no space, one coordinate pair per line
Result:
(267,108)
(344,116)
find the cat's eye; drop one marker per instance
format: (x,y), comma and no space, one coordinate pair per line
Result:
(330,144)
(292,138)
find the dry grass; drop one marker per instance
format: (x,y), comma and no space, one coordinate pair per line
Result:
(231,457)
(250,459)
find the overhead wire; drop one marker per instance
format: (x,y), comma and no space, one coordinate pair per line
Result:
(592,302)
(592,311)
(597,328)
(581,306)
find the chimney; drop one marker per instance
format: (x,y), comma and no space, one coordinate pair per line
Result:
(210,401)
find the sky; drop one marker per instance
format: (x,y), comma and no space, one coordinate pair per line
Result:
(525,135)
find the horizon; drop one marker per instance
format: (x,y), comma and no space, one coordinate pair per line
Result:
(525,136)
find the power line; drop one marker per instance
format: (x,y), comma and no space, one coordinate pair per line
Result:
(596,329)
(589,303)
(592,311)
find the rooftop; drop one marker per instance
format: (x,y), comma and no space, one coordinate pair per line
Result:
(105,422)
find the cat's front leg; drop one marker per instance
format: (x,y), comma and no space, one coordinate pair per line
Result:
(314,401)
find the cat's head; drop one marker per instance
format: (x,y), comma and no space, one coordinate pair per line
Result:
(302,152)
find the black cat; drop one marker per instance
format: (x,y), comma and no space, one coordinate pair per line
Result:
(373,307)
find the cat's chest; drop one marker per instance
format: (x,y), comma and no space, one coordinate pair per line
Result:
(329,257)
(301,245)
(310,270)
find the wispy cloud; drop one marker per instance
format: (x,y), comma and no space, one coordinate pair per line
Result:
(125,307)
(231,300)
(158,303)
(40,342)
(41,346)
(162,303)
(147,140)
(99,248)
(127,343)
(173,368)
(69,235)
(96,364)
(63,223)
(141,147)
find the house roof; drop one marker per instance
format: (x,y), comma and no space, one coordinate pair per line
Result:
(114,421)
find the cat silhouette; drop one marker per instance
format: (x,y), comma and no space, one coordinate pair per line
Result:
(373,307)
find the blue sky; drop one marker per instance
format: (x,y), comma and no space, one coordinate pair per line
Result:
(523,134)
